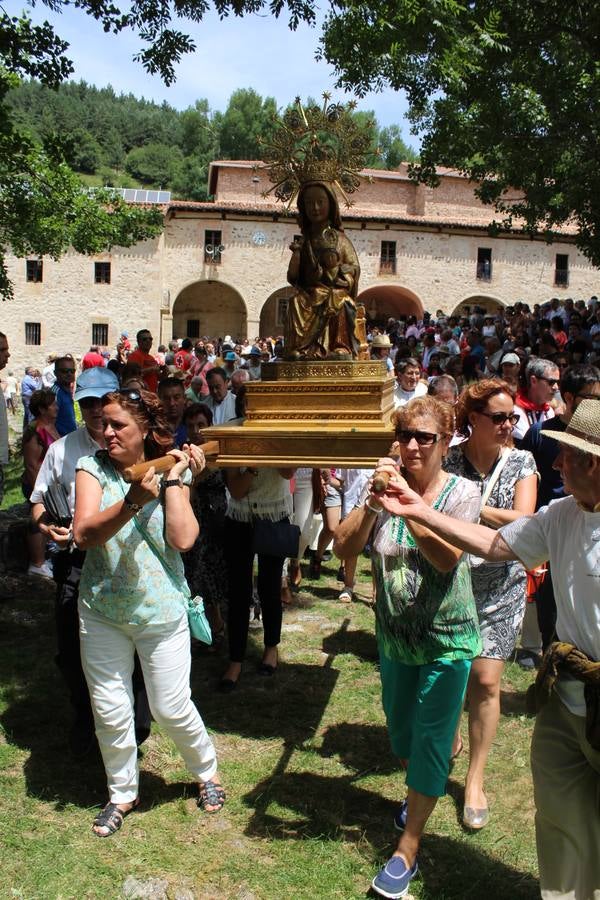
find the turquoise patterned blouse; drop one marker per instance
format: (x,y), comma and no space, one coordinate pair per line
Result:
(123,579)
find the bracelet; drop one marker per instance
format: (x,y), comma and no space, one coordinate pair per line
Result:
(135,508)
(374,509)
(172,482)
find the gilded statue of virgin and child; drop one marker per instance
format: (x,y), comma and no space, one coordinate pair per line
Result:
(324,270)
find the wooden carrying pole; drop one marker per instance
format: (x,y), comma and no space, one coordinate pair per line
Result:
(164,463)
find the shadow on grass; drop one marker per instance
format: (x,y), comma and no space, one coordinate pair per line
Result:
(516,703)
(337,809)
(36,717)
(290,705)
(360,643)
(364,748)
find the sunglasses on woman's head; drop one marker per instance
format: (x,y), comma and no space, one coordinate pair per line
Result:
(423,438)
(133,395)
(499,418)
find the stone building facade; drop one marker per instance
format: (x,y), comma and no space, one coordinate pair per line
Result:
(220,267)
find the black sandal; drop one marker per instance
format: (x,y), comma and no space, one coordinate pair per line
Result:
(211,794)
(112,817)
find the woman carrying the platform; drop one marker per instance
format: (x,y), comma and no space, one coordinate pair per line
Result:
(427,627)
(132,598)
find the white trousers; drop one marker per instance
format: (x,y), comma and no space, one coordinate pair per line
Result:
(107,651)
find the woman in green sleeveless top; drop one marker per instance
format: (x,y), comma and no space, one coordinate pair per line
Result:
(427,627)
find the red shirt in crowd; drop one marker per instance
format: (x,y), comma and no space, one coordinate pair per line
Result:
(144,360)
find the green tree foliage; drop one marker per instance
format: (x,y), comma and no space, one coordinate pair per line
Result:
(43,206)
(153,163)
(508,93)
(247,119)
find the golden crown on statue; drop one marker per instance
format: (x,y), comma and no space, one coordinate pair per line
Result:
(317,143)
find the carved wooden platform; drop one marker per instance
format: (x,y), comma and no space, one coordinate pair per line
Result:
(316,413)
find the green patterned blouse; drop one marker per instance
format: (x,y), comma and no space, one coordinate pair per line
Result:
(422,614)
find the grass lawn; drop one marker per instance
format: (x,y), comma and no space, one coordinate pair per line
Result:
(311,782)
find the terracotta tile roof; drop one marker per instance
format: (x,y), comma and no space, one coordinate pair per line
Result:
(355,213)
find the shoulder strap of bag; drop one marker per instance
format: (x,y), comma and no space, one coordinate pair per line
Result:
(175,582)
(495,476)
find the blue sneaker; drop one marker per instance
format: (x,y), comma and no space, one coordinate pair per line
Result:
(400,816)
(393,880)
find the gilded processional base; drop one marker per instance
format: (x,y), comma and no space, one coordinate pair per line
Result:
(316,413)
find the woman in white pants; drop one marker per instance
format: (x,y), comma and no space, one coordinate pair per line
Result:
(132,598)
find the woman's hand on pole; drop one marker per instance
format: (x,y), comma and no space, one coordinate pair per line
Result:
(196,460)
(400,500)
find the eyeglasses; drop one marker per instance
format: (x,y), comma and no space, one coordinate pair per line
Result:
(423,438)
(65,371)
(500,418)
(549,381)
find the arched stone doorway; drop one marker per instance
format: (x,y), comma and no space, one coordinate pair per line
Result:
(484,301)
(273,312)
(209,308)
(386,301)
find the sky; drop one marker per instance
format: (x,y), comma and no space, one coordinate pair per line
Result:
(257,52)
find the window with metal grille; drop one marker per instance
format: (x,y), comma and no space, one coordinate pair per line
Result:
(561,270)
(100,334)
(484,263)
(34,269)
(192,328)
(33,333)
(102,273)
(387,259)
(212,247)
(282,308)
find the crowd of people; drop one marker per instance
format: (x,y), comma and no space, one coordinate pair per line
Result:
(485,534)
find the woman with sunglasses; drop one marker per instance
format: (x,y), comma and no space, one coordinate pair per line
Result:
(427,628)
(507,480)
(132,597)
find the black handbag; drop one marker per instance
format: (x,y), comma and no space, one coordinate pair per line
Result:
(56,504)
(280,539)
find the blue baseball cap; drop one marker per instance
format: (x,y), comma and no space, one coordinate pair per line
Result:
(230,357)
(96,382)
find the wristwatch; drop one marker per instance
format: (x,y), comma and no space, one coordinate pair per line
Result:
(172,482)
(135,508)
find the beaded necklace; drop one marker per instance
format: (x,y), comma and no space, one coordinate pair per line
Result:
(400,531)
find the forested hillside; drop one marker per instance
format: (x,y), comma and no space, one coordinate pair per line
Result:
(123,141)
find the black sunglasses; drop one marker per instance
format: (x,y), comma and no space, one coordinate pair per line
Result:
(131,394)
(66,371)
(423,438)
(549,381)
(500,418)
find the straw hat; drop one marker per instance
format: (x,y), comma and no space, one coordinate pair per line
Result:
(381,340)
(583,431)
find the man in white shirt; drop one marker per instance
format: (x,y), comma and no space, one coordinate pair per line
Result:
(58,468)
(408,385)
(221,401)
(533,404)
(565,752)
(48,373)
